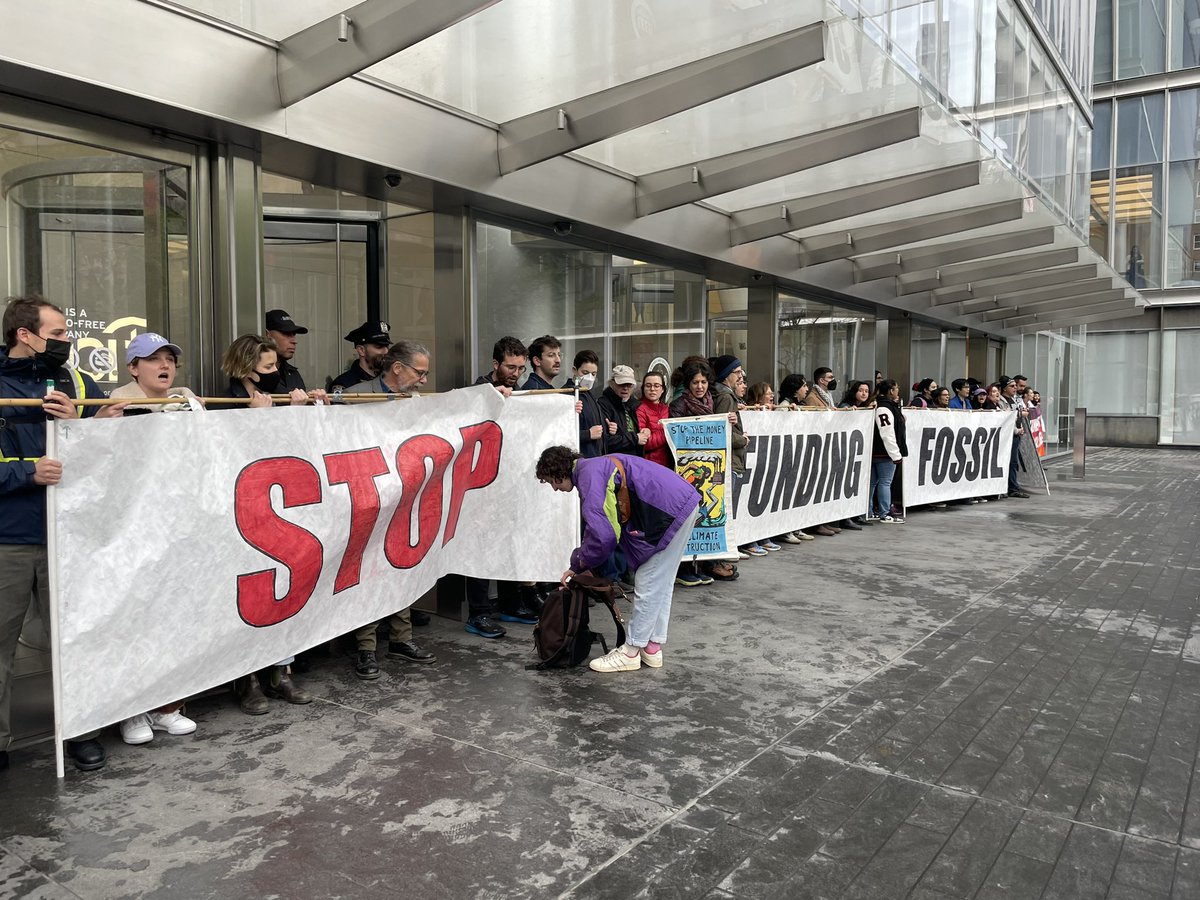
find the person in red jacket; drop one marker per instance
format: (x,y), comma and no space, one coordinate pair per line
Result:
(650,414)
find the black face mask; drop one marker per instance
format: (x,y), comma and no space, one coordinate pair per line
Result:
(55,355)
(267,381)
(832,386)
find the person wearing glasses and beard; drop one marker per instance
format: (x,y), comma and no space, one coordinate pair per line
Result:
(404,369)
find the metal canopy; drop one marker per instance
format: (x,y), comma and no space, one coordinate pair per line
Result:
(1100,313)
(883,265)
(1067,304)
(1037,295)
(995,286)
(676,186)
(576,123)
(774,219)
(966,273)
(822,248)
(341,45)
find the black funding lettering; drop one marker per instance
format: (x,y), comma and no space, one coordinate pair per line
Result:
(809,470)
(764,477)
(789,469)
(837,466)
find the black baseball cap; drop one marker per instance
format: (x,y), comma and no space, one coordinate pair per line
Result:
(371,333)
(279,320)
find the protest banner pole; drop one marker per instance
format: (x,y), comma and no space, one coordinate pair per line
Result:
(241,401)
(52,589)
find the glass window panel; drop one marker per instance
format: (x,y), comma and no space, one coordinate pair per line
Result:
(520,56)
(1104,41)
(1184,395)
(1137,224)
(1140,130)
(410,311)
(1185,125)
(1182,230)
(275,19)
(926,356)
(1141,37)
(963,52)
(1185,34)
(527,285)
(804,336)
(105,236)
(1121,373)
(658,313)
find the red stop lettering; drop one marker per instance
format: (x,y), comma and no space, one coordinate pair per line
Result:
(419,492)
(284,541)
(358,470)
(470,473)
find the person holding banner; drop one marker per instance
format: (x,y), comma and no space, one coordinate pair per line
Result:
(648,511)
(591,421)
(889,448)
(792,391)
(730,377)
(620,414)
(152,360)
(509,356)
(371,341)
(251,362)
(650,413)
(404,368)
(1008,400)
(34,366)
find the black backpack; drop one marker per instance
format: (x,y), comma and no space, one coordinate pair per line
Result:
(562,638)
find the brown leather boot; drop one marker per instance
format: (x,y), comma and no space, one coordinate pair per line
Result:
(251,700)
(279,686)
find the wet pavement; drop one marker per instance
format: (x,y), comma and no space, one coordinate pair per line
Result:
(1000,700)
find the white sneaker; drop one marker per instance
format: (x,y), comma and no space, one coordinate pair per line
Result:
(616,660)
(790,538)
(653,660)
(804,535)
(136,730)
(172,722)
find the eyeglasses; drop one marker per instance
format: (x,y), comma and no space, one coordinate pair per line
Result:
(420,373)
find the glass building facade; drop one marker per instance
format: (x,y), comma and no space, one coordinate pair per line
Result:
(1139,380)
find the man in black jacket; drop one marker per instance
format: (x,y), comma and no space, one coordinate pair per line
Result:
(283,330)
(620,414)
(371,341)
(508,362)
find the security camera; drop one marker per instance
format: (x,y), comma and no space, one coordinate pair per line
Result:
(757,276)
(563,228)
(393,179)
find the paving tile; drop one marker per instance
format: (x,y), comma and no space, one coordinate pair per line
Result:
(1039,836)
(940,811)
(898,865)
(1015,877)
(966,858)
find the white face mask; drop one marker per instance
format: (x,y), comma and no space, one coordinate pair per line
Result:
(587,382)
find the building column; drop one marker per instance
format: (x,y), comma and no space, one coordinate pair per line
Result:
(977,353)
(237,246)
(762,325)
(896,352)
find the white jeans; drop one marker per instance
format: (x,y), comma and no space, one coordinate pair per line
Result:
(653,585)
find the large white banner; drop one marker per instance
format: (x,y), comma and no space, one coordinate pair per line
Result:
(803,468)
(954,454)
(194,548)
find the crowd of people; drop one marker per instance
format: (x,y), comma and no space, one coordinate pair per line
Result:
(621,420)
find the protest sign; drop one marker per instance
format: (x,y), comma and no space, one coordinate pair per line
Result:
(954,454)
(700,447)
(803,468)
(193,548)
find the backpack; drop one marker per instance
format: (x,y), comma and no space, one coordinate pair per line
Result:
(562,638)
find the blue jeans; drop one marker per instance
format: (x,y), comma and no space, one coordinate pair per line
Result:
(882,472)
(653,587)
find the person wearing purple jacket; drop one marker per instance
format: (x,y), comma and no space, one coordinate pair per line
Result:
(662,509)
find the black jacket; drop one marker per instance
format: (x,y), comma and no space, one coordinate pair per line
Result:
(355,374)
(289,377)
(879,449)
(625,415)
(535,382)
(590,415)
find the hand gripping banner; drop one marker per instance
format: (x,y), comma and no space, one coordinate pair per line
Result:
(195,548)
(700,447)
(803,468)
(954,454)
